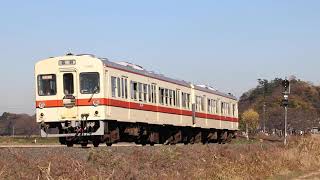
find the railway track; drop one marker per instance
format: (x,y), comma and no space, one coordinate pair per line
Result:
(58,145)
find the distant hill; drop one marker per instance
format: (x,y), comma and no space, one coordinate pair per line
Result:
(21,124)
(303,109)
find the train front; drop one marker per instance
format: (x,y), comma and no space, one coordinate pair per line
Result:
(70,98)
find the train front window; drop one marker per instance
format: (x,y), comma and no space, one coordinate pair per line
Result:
(89,83)
(68,88)
(47,85)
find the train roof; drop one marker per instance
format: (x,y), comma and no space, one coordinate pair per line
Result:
(131,68)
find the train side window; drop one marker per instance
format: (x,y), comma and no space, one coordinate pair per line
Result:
(154,93)
(216,106)
(89,83)
(145,92)
(178,98)
(126,88)
(170,97)
(113,86)
(122,87)
(47,85)
(149,94)
(68,83)
(174,97)
(203,105)
(140,91)
(166,96)
(209,105)
(134,90)
(184,98)
(118,87)
(221,107)
(161,95)
(188,101)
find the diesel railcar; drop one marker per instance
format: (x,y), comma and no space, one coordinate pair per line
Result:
(84,99)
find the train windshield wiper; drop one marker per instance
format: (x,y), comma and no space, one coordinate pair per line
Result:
(95,90)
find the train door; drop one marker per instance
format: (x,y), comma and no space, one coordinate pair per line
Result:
(69,95)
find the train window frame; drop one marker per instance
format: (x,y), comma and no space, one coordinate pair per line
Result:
(161,96)
(126,88)
(118,87)
(145,92)
(97,85)
(54,77)
(178,98)
(134,90)
(113,86)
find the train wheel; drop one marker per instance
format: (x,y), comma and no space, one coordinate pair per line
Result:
(84,145)
(69,144)
(96,141)
(62,140)
(95,144)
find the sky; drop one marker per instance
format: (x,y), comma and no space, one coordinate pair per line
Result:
(226,44)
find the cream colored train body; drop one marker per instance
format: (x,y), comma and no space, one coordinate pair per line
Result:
(91,99)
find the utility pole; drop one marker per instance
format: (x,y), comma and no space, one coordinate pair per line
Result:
(264,117)
(285,103)
(263,83)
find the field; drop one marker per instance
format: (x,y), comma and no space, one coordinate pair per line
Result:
(6,140)
(239,160)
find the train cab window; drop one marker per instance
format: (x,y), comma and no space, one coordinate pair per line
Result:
(89,83)
(68,86)
(47,85)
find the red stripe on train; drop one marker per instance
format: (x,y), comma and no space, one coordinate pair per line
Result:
(137,106)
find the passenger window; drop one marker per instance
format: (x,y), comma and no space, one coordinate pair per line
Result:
(161,95)
(178,98)
(89,83)
(145,91)
(68,86)
(126,88)
(134,90)
(113,86)
(119,87)
(47,85)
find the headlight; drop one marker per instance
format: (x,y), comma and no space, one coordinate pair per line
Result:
(42,105)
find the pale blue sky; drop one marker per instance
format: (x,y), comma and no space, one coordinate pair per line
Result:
(228,44)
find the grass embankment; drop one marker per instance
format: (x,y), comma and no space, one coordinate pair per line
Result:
(6,140)
(240,160)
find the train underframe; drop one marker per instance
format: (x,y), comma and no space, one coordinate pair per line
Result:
(111,132)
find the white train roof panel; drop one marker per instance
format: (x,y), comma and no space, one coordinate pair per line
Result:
(129,68)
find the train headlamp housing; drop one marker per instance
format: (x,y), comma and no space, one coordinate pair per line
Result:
(42,105)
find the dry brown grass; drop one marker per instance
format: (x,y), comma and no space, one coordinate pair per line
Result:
(233,161)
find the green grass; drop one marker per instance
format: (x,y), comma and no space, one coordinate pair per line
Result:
(27,140)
